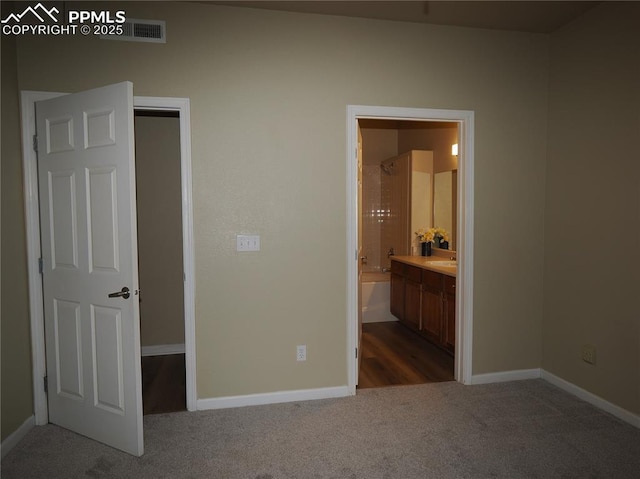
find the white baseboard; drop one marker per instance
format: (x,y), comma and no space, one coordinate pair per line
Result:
(272,398)
(16,436)
(162,349)
(597,401)
(504,376)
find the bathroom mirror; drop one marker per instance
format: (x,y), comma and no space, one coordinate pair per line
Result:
(445,194)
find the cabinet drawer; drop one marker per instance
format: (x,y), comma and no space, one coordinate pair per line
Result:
(449,284)
(431,278)
(397,267)
(413,273)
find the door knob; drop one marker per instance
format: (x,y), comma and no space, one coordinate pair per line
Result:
(123,293)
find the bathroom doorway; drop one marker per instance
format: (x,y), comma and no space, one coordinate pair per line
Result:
(460,306)
(390,352)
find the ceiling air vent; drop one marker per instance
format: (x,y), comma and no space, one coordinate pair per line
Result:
(141,31)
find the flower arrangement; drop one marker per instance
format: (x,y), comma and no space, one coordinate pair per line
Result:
(429,235)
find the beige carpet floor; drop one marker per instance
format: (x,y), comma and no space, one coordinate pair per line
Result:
(520,429)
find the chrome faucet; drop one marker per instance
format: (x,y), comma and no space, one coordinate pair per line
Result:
(390,252)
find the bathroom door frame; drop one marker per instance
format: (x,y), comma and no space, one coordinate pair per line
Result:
(464,297)
(32,219)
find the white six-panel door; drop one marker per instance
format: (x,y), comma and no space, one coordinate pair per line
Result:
(86,176)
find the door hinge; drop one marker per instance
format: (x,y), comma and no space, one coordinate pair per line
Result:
(35,143)
(356,353)
(46,384)
(40,265)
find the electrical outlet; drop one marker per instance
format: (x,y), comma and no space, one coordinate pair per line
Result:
(589,353)
(301,352)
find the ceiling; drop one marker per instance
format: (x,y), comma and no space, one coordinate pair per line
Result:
(522,15)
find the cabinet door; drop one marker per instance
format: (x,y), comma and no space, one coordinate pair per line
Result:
(412,296)
(397,295)
(432,313)
(412,299)
(432,305)
(449,323)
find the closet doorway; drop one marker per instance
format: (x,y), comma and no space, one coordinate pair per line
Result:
(32,206)
(160,260)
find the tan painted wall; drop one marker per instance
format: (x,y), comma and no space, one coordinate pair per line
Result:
(17,389)
(438,140)
(378,144)
(159,230)
(592,227)
(269,92)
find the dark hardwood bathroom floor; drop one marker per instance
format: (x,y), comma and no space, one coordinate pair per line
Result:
(393,355)
(164,386)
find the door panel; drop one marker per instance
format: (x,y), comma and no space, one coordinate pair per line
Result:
(68,346)
(102,220)
(62,211)
(59,134)
(106,328)
(89,246)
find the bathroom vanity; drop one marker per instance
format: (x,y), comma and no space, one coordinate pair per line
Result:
(423,297)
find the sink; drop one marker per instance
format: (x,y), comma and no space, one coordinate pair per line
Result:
(443,263)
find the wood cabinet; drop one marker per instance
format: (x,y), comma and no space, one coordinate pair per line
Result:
(425,301)
(449,309)
(405,293)
(432,305)
(412,292)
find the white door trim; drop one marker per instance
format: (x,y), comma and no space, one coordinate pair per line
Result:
(182,105)
(32,215)
(464,298)
(32,224)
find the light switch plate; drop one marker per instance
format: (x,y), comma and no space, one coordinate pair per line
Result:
(247,242)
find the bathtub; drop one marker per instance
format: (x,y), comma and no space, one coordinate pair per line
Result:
(376,297)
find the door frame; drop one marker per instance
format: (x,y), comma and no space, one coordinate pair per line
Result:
(32,225)
(464,299)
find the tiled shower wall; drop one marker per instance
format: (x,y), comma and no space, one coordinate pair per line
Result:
(394,201)
(372,216)
(384,213)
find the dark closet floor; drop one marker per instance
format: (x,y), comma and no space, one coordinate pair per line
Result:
(164,386)
(394,355)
